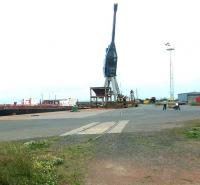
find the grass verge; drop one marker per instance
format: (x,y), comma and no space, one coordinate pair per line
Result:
(193,131)
(43,162)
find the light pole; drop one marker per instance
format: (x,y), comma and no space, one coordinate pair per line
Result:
(170,49)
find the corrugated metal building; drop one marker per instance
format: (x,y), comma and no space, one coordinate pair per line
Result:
(190,97)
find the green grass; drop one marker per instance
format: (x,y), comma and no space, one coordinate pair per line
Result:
(191,130)
(43,162)
(193,133)
(75,159)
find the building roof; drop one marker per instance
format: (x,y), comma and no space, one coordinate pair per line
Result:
(190,93)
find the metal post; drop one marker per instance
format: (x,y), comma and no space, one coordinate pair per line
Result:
(171,75)
(171,78)
(90,97)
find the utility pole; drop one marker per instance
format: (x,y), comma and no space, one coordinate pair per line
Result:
(170,49)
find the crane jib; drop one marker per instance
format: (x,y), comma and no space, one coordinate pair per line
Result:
(110,66)
(114,23)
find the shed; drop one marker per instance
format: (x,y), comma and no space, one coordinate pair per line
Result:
(187,97)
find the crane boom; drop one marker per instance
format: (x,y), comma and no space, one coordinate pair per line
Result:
(110,66)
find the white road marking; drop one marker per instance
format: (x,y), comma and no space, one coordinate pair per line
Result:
(98,129)
(80,129)
(119,127)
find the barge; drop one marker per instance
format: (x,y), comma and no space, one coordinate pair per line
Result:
(8,109)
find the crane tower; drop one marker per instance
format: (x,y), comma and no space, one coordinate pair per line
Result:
(110,66)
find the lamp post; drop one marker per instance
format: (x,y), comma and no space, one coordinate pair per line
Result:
(170,49)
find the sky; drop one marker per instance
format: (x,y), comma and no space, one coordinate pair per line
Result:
(57,48)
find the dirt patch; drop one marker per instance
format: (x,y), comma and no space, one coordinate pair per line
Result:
(156,158)
(109,172)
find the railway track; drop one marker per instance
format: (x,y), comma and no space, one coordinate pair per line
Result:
(98,129)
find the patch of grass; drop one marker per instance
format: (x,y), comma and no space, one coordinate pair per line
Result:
(190,130)
(37,144)
(39,162)
(19,165)
(193,133)
(75,158)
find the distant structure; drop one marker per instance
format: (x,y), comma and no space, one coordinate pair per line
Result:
(190,97)
(109,95)
(100,96)
(26,102)
(110,66)
(132,95)
(170,49)
(61,102)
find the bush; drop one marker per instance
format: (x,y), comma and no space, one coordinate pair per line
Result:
(37,144)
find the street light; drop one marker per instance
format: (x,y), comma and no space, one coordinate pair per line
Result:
(170,49)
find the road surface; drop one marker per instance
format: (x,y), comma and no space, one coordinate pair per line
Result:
(142,118)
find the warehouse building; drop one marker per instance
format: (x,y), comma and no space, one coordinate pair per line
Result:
(190,97)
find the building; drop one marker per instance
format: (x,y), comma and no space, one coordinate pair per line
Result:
(61,102)
(190,97)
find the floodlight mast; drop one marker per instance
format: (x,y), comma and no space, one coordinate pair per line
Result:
(170,49)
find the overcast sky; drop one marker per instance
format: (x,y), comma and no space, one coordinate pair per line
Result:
(58,47)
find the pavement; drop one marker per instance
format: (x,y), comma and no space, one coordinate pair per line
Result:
(87,122)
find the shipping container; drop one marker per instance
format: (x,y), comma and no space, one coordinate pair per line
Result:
(198,99)
(191,99)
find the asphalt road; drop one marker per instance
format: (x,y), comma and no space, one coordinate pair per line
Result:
(142,118)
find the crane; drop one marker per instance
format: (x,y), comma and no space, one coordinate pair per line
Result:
(110,66)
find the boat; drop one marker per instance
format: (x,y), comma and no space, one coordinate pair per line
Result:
(11,109)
